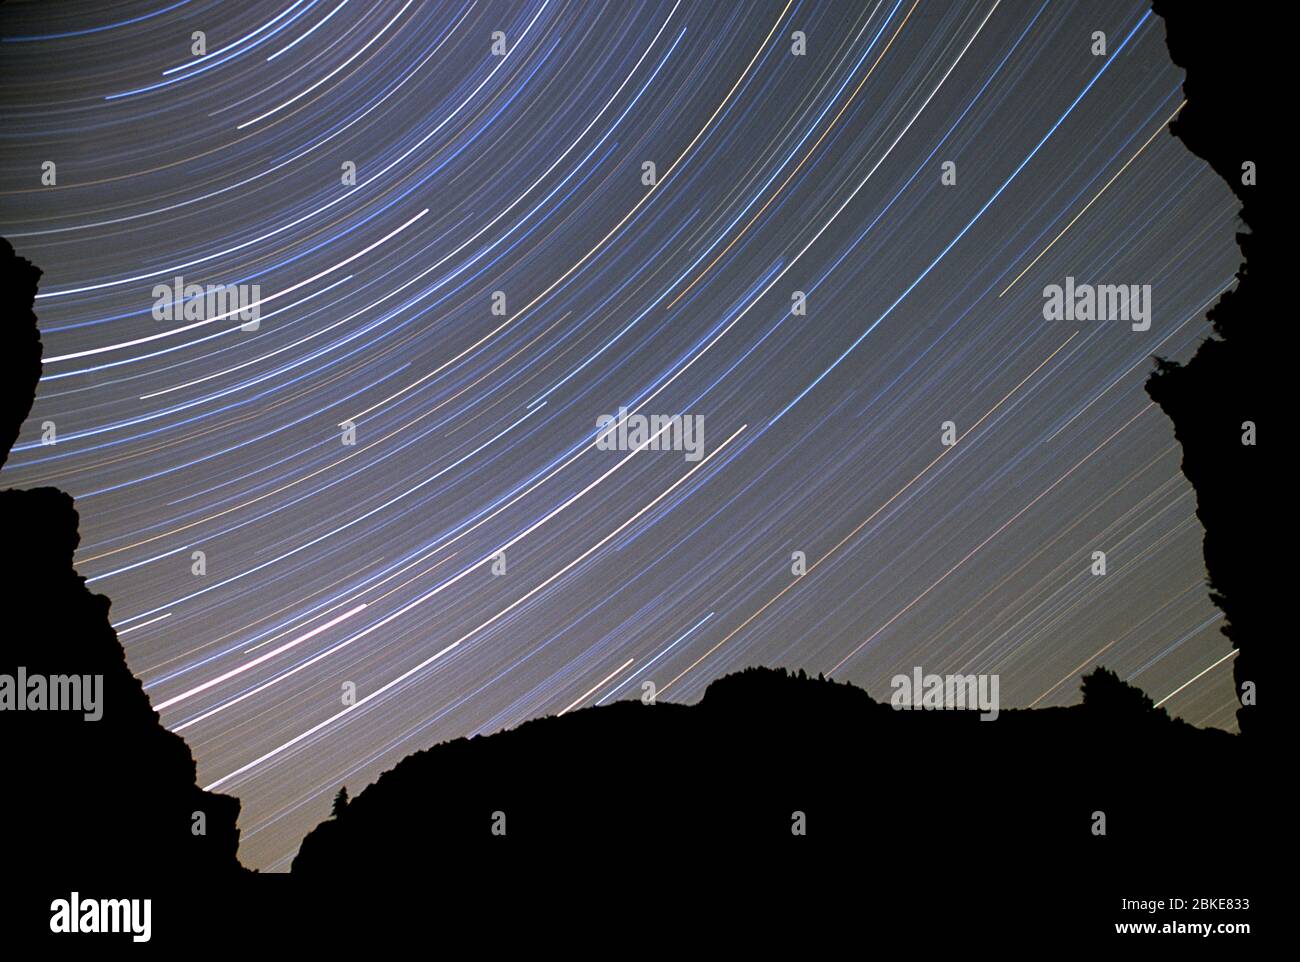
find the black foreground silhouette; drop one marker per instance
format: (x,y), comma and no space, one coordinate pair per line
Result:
(778,781)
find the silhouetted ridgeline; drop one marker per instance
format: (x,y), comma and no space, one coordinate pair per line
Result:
(986,799)
(83,800)
(1211,396)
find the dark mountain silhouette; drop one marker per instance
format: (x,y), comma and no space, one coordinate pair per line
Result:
(733,770)
(83,800)
(1212,396)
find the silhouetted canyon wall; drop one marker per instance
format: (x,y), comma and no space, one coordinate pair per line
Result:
(112,798)
(20,345)
(1215,397)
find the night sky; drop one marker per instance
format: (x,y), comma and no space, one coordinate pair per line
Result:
(372,563)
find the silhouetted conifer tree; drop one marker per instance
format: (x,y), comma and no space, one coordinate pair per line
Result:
(1103,689)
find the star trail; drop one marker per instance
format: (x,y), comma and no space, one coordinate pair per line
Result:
(380,516)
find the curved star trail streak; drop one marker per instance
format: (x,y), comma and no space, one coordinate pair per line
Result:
(374,566)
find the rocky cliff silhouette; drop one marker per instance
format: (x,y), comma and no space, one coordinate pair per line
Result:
(1213,397)
(20,345)
(84,800)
